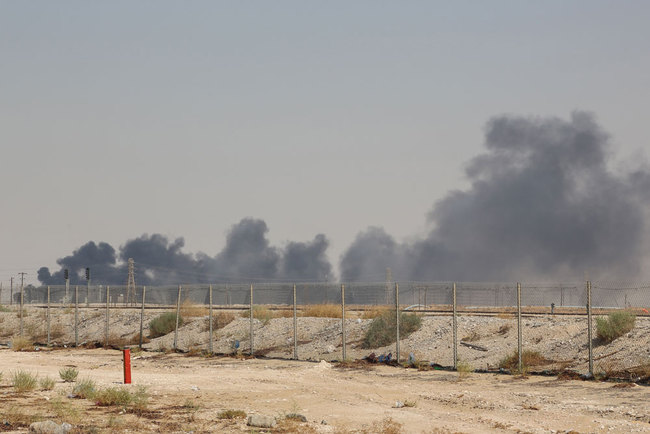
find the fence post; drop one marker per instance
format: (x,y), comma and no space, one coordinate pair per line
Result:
(295,325)
(454,326)
(178,314)
(108,298)
(343,337)
(22,297)
(144,291)
(251,320)
(76,315)
(591,354)
(519,364)
(210,347)
(48,315)
(397,321)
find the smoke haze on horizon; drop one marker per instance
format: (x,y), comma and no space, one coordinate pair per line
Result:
(543,203)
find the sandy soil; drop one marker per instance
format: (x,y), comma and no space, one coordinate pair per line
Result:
(188,393)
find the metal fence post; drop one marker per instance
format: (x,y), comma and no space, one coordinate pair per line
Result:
(178,314)
(108,298)
(251,320)
(22,299)
(397,321)
(295,325)
(519,364)
(48,315)
(589,337)
(144,291)
(210,348)
(454,326)
(76,315)
(343,337)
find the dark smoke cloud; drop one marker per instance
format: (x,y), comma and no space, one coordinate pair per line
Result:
(543,204)
(247,256)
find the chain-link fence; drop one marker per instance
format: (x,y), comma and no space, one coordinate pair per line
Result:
(483,326)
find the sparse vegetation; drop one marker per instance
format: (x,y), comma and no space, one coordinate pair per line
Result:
(529,358)
(164,324)
(121,396)
(65,411)
(23,381)
(327,310)
(189,309)
(21,343)
(261,313)
(464,369)
(68,374)
(615,325)
(47,383)
(473,336)
(231,414)
(385,426)
(85,389)
(374,312)
(383,329)
(222,319)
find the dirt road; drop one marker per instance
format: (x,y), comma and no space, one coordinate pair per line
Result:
(188,393)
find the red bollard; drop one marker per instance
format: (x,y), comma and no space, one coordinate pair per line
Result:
(127,366)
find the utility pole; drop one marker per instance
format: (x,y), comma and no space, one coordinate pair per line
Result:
(22,299)
(66,277)
(87,286)
(11,295)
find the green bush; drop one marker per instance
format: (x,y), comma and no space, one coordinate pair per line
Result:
(615,325)
(164,324)
(383,329)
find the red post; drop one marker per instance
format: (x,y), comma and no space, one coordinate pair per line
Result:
(127,366)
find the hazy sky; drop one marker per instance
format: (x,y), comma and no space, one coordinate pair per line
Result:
(181,118)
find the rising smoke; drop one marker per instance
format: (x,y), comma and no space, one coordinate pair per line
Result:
(543,204)
(247,256)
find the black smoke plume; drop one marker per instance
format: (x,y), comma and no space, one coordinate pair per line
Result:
(543,204)
(247,256)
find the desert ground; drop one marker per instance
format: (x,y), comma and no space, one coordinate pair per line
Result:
(189,391)
(188,394)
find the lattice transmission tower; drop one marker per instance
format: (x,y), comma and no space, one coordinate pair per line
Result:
(130,285)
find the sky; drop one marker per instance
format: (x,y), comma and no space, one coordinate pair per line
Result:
(124,118)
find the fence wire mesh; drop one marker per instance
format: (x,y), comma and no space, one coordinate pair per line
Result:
(383,321)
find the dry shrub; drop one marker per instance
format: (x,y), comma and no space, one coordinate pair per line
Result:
(222,319)
(529,358)
(505,315)
(21,343)
(231,414)
(473,336)
(327,310)
(374,312)
(284,313)
(464,369)
(261,313)
(385,426)
(56,331)
(505,328)
(14,417)
(190,309)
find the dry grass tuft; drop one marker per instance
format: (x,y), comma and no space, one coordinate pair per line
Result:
(464,370)
(505,315)
(374,312)
(327,310)
(385,426)
(231,414)
(21,343)
(529,358)
(190,309)
(222,319)
(473,336)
